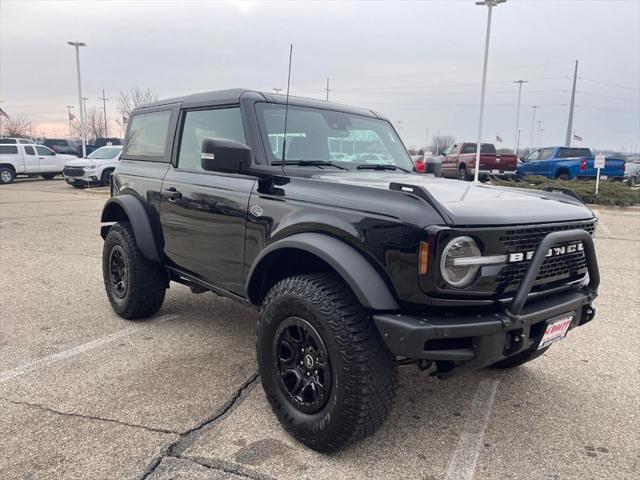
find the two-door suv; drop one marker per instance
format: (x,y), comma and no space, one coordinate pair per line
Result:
(311,212)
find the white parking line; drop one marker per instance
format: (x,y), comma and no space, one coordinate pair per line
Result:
(462,465)
(85,347)
(602,226)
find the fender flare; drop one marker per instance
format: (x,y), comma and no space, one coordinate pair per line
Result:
(138,218)
(365,282)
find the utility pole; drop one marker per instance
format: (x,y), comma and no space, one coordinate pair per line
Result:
(69,107)
(567,141)
(533,126)
(519,82)
(83,130)
(539,122)
(426,146)
(489,4)
(327,89)
(1,121)
(104,109)
(517,142)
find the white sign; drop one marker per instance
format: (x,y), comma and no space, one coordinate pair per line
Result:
(599,161)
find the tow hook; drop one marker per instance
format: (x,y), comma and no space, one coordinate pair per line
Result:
(587,314)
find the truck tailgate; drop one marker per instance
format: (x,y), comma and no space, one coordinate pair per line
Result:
(490,161)
(613,167)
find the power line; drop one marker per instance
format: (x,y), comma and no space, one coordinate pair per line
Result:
(582,92)
(633,72)
(636,112)
(609,84)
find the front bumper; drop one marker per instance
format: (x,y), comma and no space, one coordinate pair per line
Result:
(465,342)
(85,180)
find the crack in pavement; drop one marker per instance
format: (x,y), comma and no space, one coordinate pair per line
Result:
(225,467)
(88,417)
(176,448)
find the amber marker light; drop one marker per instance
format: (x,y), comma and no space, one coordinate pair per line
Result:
(423,258)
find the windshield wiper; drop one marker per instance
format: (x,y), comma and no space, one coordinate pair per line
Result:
(380,166)
(309,163)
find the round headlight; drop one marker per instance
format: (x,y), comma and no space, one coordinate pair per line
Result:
(459,276)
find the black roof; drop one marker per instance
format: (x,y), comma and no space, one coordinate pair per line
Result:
(232,96)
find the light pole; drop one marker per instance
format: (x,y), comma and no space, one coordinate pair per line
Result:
(519,82)
(69,107)
(83,131)
(104,108)
(533,125)
(539,139)
(490,4)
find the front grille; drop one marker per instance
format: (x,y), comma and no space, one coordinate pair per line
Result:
(73,171)
(554,270)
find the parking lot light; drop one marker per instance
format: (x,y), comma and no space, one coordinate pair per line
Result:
(83,131)
(490,4)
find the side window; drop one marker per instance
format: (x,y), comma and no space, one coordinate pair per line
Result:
(9,140)
(199,124)
(469,148)
(546,153)
(29,150)
(147,134)
(533,156)
(8,149)
(43,151)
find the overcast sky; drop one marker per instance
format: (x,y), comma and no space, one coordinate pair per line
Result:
(418,63)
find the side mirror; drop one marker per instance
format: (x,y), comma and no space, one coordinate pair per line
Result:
(224,155)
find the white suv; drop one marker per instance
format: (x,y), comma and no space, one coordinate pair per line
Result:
(96,169)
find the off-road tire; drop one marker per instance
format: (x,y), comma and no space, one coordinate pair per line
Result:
(362,397)
(7,175)
(463,175)
(519,358)
(48,176)
(147,281)
(105,180)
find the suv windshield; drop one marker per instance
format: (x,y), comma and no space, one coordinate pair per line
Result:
(344,139)
(105,153)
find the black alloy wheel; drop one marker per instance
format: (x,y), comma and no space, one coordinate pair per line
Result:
(118,271)
(304,368)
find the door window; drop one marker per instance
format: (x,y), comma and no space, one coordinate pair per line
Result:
(200,124)
(44,151)
(29,150)
(147,134)
(8,149)
(546,153)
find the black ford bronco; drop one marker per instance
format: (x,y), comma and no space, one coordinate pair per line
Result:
(312,213)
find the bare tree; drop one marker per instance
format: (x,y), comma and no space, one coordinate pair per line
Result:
(95,124)
(442,142)
(15,127)
(134,98)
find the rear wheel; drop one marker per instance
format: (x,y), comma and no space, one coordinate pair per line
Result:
(135,285)
(463,175)
(48,176)
(325,370)
(562,176)
(632,181)
(519,358)
(6,175)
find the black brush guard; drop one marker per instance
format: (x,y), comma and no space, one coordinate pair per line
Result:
(467,342)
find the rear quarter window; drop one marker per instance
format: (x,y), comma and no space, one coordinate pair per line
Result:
(147,135)
(8,150)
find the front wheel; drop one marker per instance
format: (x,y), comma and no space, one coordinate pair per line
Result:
(325,370)
(135,285)
(106,178)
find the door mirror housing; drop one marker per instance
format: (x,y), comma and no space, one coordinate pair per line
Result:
(224,155)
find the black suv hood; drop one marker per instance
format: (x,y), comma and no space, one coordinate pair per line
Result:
(476,204)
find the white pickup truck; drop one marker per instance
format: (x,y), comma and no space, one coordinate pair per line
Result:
(31,160)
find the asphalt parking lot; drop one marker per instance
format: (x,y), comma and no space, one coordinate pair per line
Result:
(84,394)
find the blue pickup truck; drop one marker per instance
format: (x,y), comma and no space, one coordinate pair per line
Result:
(568,163)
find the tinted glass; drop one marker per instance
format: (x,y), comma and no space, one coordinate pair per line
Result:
(24,140)
(533,156)
(8,149)
(43,150)
(29,150)
(573,152)
(346,139)
(148,134)
(198,125)
(8,141)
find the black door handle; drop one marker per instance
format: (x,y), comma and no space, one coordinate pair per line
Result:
(171,194)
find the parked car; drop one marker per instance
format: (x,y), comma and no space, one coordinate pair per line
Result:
(13,141)
(61,145)
(569,163)
(632,173)
(31,160)
(96,169)
(99,142)
(459,160)
(354,267)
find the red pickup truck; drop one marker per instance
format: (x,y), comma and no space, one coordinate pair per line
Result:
(459,161)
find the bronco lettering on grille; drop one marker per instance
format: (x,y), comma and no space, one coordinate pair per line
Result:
(553,252)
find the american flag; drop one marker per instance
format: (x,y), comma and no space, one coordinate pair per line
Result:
(577,138)
(498,139)
(71,116)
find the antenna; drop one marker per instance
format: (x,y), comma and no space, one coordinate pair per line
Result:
(286,110)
